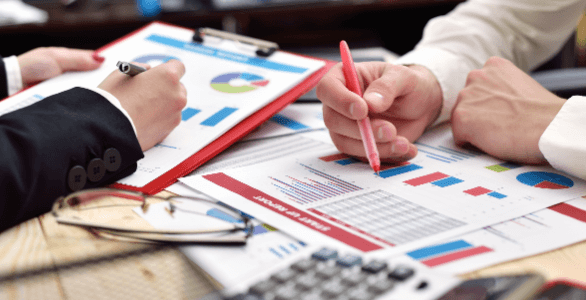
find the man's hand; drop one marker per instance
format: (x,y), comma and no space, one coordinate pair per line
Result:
(153,99)
(400,101)
(504,112)
(43,63)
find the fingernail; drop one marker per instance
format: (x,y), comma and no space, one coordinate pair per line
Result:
(352,109)
(373,96)
(380,133)
(97,57)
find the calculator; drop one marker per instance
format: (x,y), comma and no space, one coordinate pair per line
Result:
(325,273)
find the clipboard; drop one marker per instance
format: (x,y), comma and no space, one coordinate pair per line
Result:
(242,128)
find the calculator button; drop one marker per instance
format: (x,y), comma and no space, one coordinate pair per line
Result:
(304,265)
(325,254)
(349,261)
(284,275)
(287,292)
(327,272)
(374,266)
(360,294)
(312,296)
(401,273)
(307,281)
(262,287)
(333,289)
(380,285)
(353,278)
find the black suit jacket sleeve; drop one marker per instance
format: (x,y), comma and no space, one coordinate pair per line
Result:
(42,143)
(3,80)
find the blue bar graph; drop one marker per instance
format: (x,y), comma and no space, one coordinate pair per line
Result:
(497,195)
(439,249)
(287,122)
(189,112)
(398,170)
(219,116)
(347,161)
(447,181)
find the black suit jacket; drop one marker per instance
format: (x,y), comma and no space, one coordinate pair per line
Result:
(44,146)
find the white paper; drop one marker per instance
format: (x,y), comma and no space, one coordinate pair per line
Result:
(390,213)
(534,233)
(295,118)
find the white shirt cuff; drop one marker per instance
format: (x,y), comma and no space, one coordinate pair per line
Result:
(563,143)
(449,70)
(114,102)
(13,76)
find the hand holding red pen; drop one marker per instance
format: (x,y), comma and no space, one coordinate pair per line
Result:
(400,101)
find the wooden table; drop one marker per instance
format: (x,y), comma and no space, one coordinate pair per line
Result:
(144,271)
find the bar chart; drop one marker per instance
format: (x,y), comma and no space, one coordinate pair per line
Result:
(448,252)
(313,187)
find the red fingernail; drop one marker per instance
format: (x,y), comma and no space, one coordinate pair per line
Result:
(97,57)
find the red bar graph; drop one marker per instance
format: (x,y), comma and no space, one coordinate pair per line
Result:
(334,157)
(477,191)
(455,256)
(426,179)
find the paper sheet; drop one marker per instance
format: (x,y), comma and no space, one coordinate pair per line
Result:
(445,191)
(545,230)
(295,118)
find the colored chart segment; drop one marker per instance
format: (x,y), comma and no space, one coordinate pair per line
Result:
(394,171)
(341,159)
(189,112)
(288,122)
(545,180)
(503,167)
(444,253)
(237,82)
(219,116)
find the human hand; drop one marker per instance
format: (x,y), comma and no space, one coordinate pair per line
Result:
(47,62)
(153,99)
(504,112)
(400,101)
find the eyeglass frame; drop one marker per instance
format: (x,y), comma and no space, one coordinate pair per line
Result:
(61,203)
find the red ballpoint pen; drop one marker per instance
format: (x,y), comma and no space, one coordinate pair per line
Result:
(353,85)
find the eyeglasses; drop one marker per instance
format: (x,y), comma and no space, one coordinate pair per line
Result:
(165,219)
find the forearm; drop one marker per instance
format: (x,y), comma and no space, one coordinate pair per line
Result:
(43,142)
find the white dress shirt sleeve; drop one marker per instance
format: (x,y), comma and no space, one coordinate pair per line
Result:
(526,32)
(14,79)
(114,102)
(13,76)
(564,141)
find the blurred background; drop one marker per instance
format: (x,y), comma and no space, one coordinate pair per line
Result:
(296,25)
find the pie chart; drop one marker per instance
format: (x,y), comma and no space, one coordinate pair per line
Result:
(545,180)
(154,59)
(238,82)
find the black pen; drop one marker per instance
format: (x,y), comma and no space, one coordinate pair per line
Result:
(129,69)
